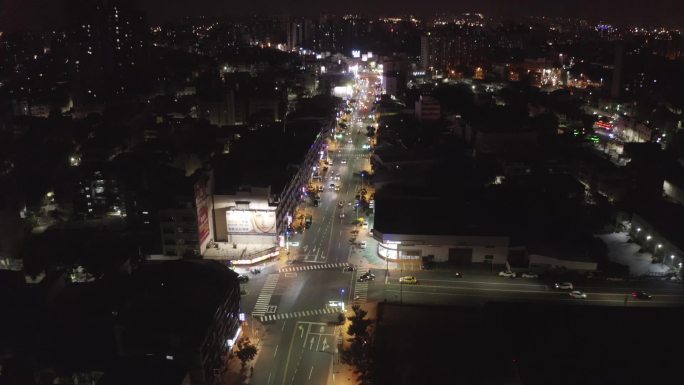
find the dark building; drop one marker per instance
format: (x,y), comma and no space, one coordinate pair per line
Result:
(107,49)
(185,311)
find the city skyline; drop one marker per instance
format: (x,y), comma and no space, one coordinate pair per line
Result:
(306,198)
(23,15)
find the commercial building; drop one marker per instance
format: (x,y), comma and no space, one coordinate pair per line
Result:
(410,228)
(457,249)
(257,188)
(470,231)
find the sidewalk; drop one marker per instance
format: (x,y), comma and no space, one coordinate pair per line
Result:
(232,373)
(345,374)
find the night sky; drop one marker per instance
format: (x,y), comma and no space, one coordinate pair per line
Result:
(42,14)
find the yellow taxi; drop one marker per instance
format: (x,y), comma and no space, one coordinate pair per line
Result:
(408,279)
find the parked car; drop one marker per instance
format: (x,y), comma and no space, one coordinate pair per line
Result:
(243,278)
(530,275)
(641,295)
(508,274)
(408,279)
(564,286)
(578,294)
(363,244)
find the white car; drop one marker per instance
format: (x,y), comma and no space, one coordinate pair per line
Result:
(363,244)
(530,275)
(564,286)
(578,294)
(509,274)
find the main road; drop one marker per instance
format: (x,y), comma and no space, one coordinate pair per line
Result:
(301,300)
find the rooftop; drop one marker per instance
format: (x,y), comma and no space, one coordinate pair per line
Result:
(266,157)
(171,304)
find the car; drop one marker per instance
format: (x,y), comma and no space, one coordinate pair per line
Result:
(530,275)
(337,187)
(364,225)
(408,279)
(344,161)
(320,189)
(578,294)
(349,268)
(363,244)
(332,185)
(337,177)
(340,204)
(243,278)
(641,295)
(341,215)
(349,141)
(564,286)
(367,276)
(458,275)
(508,274)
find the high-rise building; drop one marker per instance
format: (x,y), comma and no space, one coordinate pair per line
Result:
(299,33)
(450,46)
(424,52)
(107,49)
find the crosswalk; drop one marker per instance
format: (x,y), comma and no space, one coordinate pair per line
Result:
(319,266)
(360,288)
(299,314)
(262,303)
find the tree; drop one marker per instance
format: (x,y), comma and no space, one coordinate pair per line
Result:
(246,351)
(359,324)
(360,353)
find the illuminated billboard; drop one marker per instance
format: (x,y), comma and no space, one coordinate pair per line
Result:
(202,204)
(251,222)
